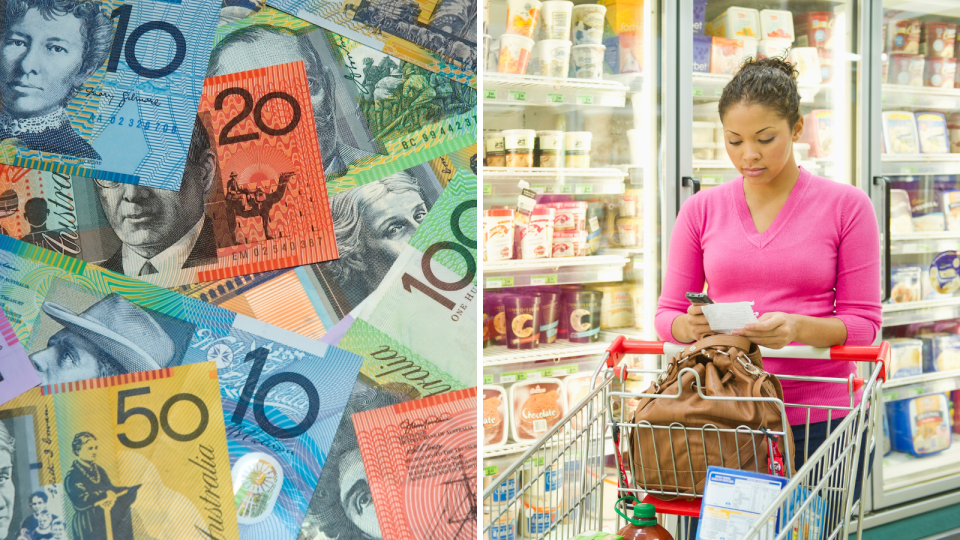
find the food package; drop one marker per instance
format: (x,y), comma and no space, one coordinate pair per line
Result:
(900,132)
(577,387)
(945,272)
(814,29)
(616,306)
(498,234)
(950,204)
(939,72)
(887,446)
(725,55)
(901,219)
(750,47)
(905,284)
(818,133)
(699,17)
(569,243)
(906,358)
(774,48)
(826,64)
(807,60)
(538,405)
(938,39)
(920,425)
(776,24)
(906,69)
(903,36)
(953,132)
(631,231)
(623,36)
(570,215)
(932,132)
(736,22)
(702,46)
(941,352)
(536,237)
(496,416)
(926,212)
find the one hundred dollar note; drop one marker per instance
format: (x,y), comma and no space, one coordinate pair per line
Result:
(103,88)
(244,207)
(139,455)
(373,224)
(438,35)
(283,394)
(375,114)
(16,372)
(432,491)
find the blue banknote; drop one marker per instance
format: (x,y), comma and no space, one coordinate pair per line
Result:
(104,89)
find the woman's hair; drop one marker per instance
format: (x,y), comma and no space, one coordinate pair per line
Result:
(770,82)
(80,439)
(39,495)
(97,27)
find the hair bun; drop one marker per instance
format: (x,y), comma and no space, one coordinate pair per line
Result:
(770,81)
(779,63)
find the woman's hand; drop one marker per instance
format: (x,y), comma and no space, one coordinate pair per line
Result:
(775,330)
(692,326)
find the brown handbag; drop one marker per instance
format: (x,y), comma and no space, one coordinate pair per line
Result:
(675,460)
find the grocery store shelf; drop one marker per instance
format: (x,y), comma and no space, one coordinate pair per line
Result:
(924,242)
(519,448)
(928,383)
(622,252)
(559,271)
(501,355)
(553,181)
(919,312)
(529,90)
(904,470)
(896,96)
(898,164)
(709,86)
(633,81)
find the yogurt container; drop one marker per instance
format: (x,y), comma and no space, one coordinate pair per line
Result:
(496,420)
(587,60)
(514,54)
(920,426)
(569,243)
(555,19)
(536,520)
(548,151)
(522,18)
(495,153)
(737,22)
(498,227)
(553,57)
(588,24)
(518,145)
(570,215)
(776,24)
(939,72)
(537,406)
(503,527)
(616,306)
(577,149)
(631,231)
(725,55)
(536,238)
(906,358)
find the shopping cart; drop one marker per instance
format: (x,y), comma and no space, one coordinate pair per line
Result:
(555,490)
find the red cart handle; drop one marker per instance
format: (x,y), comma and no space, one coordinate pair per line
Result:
(875,354)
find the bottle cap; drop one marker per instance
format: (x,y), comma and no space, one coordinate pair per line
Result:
(645,511)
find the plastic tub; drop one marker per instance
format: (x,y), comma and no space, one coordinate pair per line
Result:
(939,72)
(814,29)
(587,61)
(750,48)
(774,48)
(938,38)
(553,57)
(549,149)
(588,24)
(496,416)
(725,55)
(737,22)
(906,69)
(518,145)
(776,24)
(555,19)
(522,17)
(514,54)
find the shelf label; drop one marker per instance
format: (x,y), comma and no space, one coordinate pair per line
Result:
(508,377)
(535,462)
(554,98)
(490,470)
(698,91)
(487,189)
(560,372)
(568,189)
(497,282)
(585,100)
(548,279)
(583,189)
(707,179)
(891,396)
(489,94)
(488,379)
(908,170)
(516,95)
(534,375)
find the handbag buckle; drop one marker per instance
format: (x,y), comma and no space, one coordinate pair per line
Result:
(749,367)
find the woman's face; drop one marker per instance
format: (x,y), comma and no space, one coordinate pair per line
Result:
(355,494)
(759,142)
(88,452)
(40,60)
(37,504)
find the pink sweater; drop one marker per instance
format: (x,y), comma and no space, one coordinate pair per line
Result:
(820,257)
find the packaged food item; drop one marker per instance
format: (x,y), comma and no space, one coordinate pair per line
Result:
(582,310)
(522,16)
(705,150)
(725,55)
(594,215)
(577,149)
(496,419)
(623,36)
(941,352)
(548,149)
(537,520)
(944,272)
(514,54)
(807,60)
(826,64)
(629,53)
(498,236)
(903,36)
(737,22)
(900,132)
(932,132)
(702,47)
(906,358)
(536,238)
(630,203)
(699,16)
(588,60)
(818,132)
(569,216)
(906,69)
(926,211)
(939,72)
(814,29)
(938,39)
(495,153)
(750,47)
(887,447)
(538,405)
(518,144)
(553,57)
(905,284)
(953,132)
(577,388)
(533,63)
(704,131)
(773,48)
(775,24)
(631,231)
(920,425)
(950,204)
(503,527)
(588,24)
(616,306)
(901,218)
(550,307)
(523,321)
(555,19)
(569,243)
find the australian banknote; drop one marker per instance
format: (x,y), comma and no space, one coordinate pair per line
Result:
(370,122)
(440,36)
(431,491)
(139,455)
(373,224)
(16,372)
(283,394)
(116,99)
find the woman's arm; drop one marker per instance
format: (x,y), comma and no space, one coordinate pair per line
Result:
(777,330)
(684,273)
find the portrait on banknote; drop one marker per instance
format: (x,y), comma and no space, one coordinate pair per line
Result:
(29,510)
(81,336)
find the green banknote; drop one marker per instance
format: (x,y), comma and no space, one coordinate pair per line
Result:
(375,114)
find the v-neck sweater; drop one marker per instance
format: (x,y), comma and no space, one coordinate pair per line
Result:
(820,257)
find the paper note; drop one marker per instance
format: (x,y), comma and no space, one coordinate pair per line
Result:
(725,318)
(733,500)
(16,372)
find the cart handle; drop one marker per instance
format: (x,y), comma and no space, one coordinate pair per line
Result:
(876,354)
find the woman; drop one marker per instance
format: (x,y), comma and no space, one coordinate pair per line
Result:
(804,248)
(94,497)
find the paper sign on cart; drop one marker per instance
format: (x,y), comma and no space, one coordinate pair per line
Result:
(732,502)
(725,318)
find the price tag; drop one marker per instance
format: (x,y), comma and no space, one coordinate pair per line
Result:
(918,391)
(549,279)
(568,189)
(909,248)
(487,189)
(516,95)
(534,375)
(891,396)
(585,100)
(488,379)
(698,91)
(508,377)
(549,189)
(583,189)
(539,189)
(535,462)
(489,94)
(559,372)
(497,282)
(711,179)
(908,170)
(490,470)
(554,98)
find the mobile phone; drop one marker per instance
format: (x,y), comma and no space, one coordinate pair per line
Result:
(698,298)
